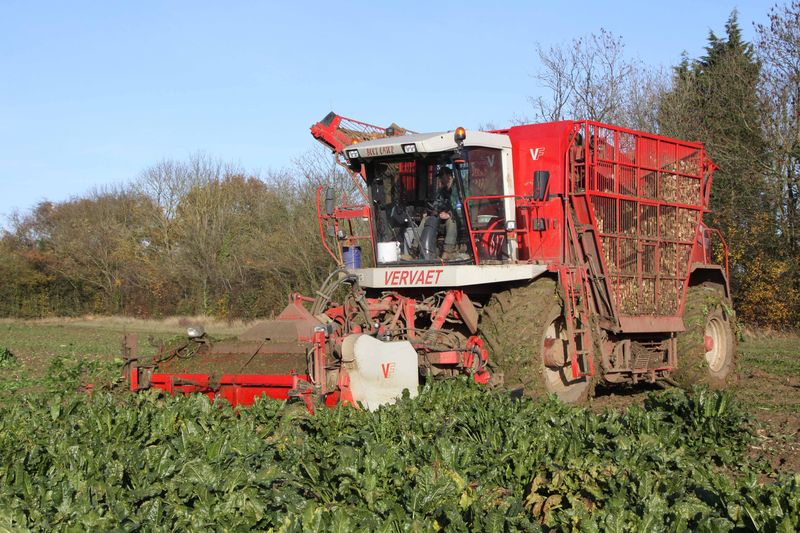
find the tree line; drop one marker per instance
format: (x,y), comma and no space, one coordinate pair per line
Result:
(186,237)
(742,100)
(203,236)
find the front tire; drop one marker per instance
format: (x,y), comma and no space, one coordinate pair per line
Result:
(519,326)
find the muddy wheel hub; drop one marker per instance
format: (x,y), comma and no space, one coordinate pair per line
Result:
(555,357)
(715,344)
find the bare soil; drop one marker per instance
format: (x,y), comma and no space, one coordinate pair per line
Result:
(777,430)
(767,384)
(239,358)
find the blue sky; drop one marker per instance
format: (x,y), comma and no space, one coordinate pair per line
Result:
(92,93)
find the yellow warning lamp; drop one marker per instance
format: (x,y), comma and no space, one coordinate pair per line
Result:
(459,136)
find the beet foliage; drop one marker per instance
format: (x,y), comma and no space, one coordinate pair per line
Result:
(457,457)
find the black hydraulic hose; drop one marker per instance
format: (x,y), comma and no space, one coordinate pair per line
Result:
(365,311)
(325,293)
(330,284)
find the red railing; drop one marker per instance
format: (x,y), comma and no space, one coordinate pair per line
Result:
(496,233)
(344,212)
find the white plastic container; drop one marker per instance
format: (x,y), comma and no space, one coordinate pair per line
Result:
(388,252)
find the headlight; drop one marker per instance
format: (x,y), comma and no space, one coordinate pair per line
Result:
(352,154)
(409,148)
(195,332)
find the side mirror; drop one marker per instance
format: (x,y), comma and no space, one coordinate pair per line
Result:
(541,179)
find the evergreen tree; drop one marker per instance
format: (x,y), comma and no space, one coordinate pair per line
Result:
(715,99)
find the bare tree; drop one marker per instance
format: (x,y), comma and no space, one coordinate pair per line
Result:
(557,75)
(591,78)
(645,89)
(319,167)
(778,48)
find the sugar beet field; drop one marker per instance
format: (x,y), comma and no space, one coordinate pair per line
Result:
(458,457)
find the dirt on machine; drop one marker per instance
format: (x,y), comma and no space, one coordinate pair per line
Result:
(546,258)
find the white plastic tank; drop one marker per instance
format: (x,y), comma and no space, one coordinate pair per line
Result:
(388,252)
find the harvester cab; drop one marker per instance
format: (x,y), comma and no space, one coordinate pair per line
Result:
(429,193)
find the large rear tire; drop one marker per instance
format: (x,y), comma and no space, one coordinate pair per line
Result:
(707,349)
(519,324)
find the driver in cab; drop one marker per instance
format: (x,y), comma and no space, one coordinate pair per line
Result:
(446,198)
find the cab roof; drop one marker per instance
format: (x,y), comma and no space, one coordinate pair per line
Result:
(424,143)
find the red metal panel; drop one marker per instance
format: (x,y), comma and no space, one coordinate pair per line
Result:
(541,147)
(645,324)
(238,389)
